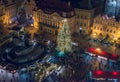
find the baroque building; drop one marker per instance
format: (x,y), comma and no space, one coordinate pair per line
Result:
(29,6)
(48,16)
(85,12)
(7,10)
(2,11)
(104,26)
(84,19)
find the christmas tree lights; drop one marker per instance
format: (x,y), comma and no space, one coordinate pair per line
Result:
(64,38)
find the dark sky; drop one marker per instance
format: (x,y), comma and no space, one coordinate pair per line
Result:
(84,3)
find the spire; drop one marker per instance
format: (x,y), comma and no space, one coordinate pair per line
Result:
(69,3)
(89,4)
(110,7)
(117,12)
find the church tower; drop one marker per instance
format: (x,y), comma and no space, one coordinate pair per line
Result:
(30,5)
(118,8)
(110,7)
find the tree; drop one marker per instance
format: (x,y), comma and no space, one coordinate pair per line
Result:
(64,38)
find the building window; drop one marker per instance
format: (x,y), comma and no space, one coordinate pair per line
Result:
(77,16)
(85,17)
(81,24)
(107,30)
(81,16)
(113,24)
(94,27)
(110,31)
(114,31)
(56,32)
(98,28)
(84,24)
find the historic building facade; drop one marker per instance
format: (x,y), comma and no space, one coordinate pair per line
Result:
(84,19)
(2,11)
(7,10)
(48,17)
(106,26)
(29,6)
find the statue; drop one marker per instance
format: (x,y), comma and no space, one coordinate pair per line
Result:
(19,5)
(21,12)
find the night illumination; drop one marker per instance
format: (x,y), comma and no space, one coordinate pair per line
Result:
(64,38)
(59,40)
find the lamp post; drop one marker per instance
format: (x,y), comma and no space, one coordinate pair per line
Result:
(80,30)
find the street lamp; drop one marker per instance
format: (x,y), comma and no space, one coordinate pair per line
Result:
(10,21)
(80,30)
(98,50)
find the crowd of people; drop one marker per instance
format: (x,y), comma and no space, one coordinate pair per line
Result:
(97,63)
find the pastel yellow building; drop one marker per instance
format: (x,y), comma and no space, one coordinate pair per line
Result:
(48,17)
(2,10)
(84,18)
(7,11)
(106,26)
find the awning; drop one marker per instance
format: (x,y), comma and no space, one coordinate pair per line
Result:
(106,74)
(103,53)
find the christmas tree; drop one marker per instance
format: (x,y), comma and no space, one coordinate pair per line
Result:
(64,38)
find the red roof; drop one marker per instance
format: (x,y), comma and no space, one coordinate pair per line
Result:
(103,53)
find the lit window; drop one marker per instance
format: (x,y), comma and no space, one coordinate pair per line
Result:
(114,31)
(85,17)
(81,16)
(107,30)
(110,31)
(98,28)
(94,27)
(84,24)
